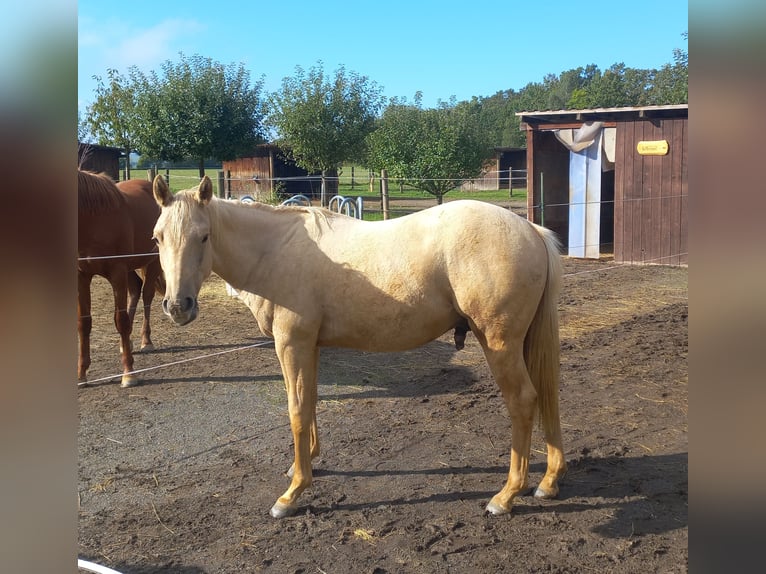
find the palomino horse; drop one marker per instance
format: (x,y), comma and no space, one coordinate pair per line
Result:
(114,234)
(313,278)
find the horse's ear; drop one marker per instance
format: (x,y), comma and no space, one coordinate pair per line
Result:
(161,191)
(205,191)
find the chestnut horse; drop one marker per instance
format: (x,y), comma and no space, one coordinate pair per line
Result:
(114,236)
(314,278)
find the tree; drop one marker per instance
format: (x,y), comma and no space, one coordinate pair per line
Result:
(198,108)
(671,82)
(113,119)
(323,121)
(434,150)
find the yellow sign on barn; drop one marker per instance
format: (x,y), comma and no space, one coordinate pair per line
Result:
(659,147)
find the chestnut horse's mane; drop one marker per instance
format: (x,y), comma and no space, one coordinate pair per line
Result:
(97,193)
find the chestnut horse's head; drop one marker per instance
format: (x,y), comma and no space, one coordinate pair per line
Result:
(182,234)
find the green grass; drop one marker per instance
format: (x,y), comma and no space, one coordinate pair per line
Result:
(185,178)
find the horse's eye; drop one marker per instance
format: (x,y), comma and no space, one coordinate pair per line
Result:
(204,239)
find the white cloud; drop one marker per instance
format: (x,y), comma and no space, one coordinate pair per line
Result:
(147,48)
(119,44)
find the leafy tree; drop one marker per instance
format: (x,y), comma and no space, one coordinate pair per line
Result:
(112,119)
(434,150)
(198,108)
(323,120)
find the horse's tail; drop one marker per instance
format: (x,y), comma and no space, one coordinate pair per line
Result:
(541,345)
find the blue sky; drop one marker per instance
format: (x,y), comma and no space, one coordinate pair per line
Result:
(442,49)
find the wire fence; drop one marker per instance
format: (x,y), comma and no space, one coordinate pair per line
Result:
(372,207)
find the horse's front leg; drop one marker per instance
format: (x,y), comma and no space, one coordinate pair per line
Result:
(314,449)
(119,282)
(300,363)
(147,296)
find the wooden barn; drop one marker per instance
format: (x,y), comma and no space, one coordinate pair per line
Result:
(611,180)
(268,171)
(496,171)
(99,159)
(511,158)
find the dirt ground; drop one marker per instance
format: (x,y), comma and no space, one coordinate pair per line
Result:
(177,475)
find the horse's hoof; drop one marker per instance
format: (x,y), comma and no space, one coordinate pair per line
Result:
(542,493)
(496,508)
(147,348)
(128,381)
(280,510)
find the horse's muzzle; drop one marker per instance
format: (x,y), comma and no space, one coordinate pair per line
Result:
(182,311)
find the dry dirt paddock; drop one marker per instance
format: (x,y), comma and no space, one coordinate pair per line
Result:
(177,475)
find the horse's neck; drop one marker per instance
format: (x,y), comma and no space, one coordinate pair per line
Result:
(244,241)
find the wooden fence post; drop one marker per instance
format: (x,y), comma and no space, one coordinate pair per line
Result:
(323,190)
(221,184)
(384,192)
(151,173)
(542,201)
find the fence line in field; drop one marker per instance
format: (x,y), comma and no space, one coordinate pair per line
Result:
(518,208)
(173,363)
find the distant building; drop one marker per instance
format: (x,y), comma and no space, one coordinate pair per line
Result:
(268,170)
(99,159)
(611,180)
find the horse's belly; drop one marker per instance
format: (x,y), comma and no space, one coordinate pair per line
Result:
(377,331)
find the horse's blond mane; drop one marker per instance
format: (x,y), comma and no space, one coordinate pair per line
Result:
(319,218)
(97,193)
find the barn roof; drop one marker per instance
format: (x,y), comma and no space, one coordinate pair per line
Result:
(540,119)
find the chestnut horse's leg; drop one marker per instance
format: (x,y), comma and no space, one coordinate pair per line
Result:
(506,361)
(119,283)
(299,367)
(84,324)
(134,294)
(152,274)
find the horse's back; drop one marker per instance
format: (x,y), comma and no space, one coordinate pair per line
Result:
(458,233)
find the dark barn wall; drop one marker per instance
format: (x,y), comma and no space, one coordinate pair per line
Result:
(546,156)
(515,159)
(651,207)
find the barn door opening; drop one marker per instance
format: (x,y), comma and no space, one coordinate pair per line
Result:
(591,188)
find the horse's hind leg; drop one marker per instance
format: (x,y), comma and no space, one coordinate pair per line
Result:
(557,466)
(506,362)
(84,324)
